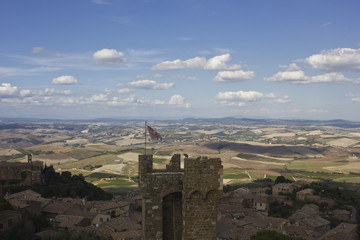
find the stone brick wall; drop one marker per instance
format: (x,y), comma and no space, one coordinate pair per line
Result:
(180,203)
(23,173)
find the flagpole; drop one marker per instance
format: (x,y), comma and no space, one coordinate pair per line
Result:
(145,136)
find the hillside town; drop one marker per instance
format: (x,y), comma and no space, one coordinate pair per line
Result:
(241,213)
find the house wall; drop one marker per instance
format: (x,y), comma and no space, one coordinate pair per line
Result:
(8,219)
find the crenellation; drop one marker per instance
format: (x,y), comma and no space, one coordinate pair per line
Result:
(180,203)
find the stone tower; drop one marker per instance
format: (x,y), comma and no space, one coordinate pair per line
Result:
(180,204)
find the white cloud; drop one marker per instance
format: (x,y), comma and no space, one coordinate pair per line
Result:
(102,97)
(45,92)
(284,99)
(233,76)
(326,78)
(52,91)
(150,84)
(178,100)
(188,78)
(270,95)
(214,63)
(159,102)
(123,91)
(108,56)
(336,60)
(295,75)
(26,93)
(219,63)
(65,80)
(353,97)
(197,62)
(6,90)
(42,51)
(240,96)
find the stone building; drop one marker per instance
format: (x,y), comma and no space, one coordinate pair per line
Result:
(180,203)
(21,173)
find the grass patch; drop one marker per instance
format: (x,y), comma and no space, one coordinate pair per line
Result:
(236,176)
(325,176)
(81,154)
(116,182)
(248,156)
(234,173)
(315,166)
(164,153)
(142,151)
(99,175)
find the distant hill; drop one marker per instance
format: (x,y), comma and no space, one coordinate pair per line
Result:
(226,121)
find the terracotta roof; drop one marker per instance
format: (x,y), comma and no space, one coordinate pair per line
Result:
(298,231)
(316,221)
(310,220)
(230,208)
(27,194)
(310,209)
(119,224)
(123,224)
(106,205)
(67,221)
(23,199)
(227,228)
(341,231)
(58,207)
(85,214)
(241,191)
(263,222)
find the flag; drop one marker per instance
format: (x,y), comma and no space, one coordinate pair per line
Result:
(154,134)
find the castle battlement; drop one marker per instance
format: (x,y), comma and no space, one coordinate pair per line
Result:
(180,203)
(24,173)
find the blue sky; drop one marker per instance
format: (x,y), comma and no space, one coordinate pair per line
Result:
(84,59)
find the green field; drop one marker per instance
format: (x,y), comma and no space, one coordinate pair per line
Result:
(234,173)
(311,165)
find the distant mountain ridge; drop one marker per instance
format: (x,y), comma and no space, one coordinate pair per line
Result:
(226,120)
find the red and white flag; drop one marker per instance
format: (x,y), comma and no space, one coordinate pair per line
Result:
(154,134)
